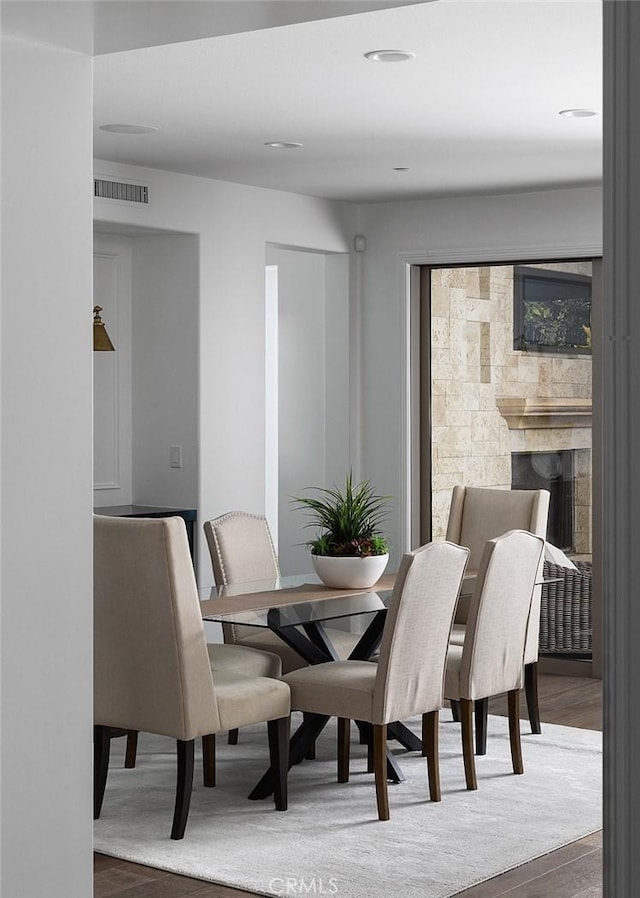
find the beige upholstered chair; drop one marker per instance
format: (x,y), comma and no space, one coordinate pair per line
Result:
(476,515)
(491,661)
(152,669)
(242,550)
(408,678)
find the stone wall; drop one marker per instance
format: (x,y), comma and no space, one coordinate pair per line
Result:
(474,366)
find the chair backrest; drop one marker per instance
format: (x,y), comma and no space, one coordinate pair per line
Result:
(499,612)
(152,669)
(478,514)
(413,652)
(241,548)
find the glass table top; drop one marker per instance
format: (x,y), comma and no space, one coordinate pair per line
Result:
(281,607)
(294,600)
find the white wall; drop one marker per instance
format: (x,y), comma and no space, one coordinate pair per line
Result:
(46,473)
(467,229)
(234,224)
(112,385)
(313,387)
(301,393)
(165,369)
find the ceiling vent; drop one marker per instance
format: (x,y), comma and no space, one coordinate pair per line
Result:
(121,191)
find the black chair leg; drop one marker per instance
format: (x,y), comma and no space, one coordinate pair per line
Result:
(531,690)
(455,710)
(481,711)
(279,731)
(101,749)
(310,754)
(183,787)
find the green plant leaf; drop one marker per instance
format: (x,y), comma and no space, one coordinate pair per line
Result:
(348,520)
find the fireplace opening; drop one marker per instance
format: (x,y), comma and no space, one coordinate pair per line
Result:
(553,471)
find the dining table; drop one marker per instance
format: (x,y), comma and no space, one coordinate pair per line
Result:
(299,609)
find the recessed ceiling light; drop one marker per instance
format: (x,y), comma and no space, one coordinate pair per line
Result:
(578,113)
(389,55)
(284,145)
(129,129)
(400,168)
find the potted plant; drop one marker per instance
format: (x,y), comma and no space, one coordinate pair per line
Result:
(349,550)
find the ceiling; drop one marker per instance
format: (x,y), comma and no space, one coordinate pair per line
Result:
(476,110)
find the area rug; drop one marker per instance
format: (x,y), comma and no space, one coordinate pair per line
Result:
(330,841)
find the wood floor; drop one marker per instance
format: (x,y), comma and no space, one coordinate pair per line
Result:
(574,871)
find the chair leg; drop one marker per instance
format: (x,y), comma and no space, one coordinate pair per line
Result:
(209,759)
(233,737)
(466,719)
(380,769)
(455,710)
(278,733)
(310,754)
(481,714)
(366,738)
(132,749)
(513,698)
(101,749)
(431,752)
(184,786)
(344,748)
(531,689)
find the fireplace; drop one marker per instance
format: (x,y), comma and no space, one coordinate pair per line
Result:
(553,471)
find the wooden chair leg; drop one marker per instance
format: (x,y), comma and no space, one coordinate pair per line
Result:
(466,719)
(455,710)
(132,749)
(513,698)
(344,748)
(209,759)
(431,752)
(531,689)
(101,749)
(279,731)
(184,786)
(380,769)
(233,737)
(481,714)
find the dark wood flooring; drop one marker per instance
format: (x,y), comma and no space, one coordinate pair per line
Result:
(574,871)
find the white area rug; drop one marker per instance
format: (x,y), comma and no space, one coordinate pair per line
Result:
(330,841)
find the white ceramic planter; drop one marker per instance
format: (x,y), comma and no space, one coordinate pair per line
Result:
(349,572)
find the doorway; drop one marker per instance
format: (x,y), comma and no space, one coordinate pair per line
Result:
(509,362)
(307,392)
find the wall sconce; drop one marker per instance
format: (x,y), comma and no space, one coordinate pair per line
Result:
(101,341)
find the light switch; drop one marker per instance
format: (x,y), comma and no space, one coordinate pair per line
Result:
(175,456)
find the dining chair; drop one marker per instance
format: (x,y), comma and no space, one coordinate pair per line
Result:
(491,660)
(478,514)
(242,550)
(152,669)
(408,677)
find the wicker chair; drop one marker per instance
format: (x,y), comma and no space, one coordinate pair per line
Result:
(565,610)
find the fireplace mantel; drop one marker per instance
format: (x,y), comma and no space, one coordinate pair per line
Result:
(537,413)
